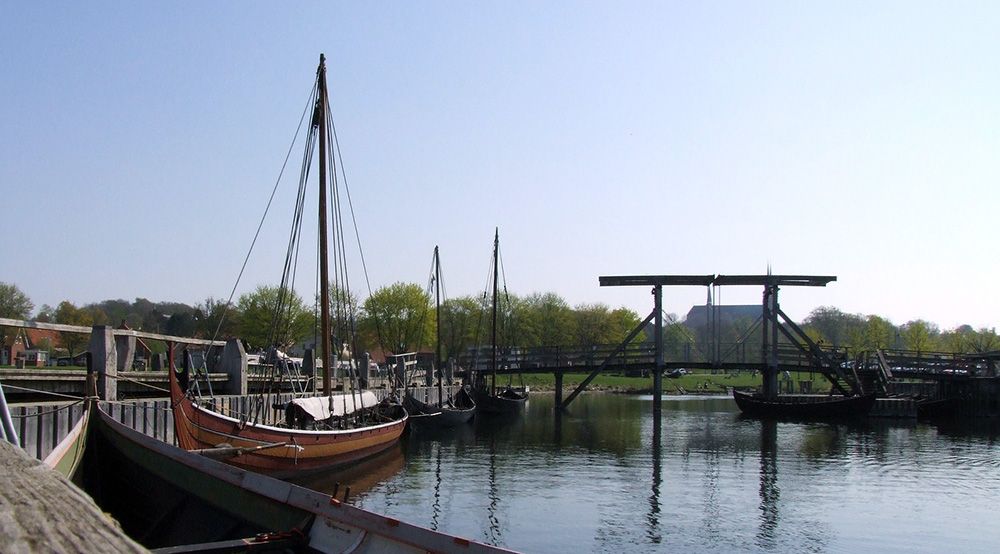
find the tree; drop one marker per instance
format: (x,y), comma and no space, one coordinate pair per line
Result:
(271,316)
(878,333)
(835,327)
(399,317)
(14,304)
(597,324)
(546,320)
(461,325)
(68,314)
(919,335)
(46,314)
(215,319)
(983,340)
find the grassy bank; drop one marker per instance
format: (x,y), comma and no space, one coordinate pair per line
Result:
(701,383)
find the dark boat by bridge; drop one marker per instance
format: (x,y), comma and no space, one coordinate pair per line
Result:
(805,406)
(457,409)
(490,398)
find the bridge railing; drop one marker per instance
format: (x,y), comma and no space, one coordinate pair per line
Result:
(912,363)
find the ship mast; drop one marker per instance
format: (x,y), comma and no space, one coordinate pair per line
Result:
(437,310)
(496,272)
(319,119)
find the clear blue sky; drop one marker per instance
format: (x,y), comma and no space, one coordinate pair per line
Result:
(140,141)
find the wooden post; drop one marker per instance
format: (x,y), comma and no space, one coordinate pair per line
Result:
(104,356)
(658,366)
(234,364)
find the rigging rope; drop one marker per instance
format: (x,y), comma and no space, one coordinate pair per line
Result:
(260,225)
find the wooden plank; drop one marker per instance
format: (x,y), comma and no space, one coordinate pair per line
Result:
(778,280)
(43,512)
(655,280)
(7,322)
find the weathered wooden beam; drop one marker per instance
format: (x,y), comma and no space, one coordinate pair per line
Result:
(635,332)
(6,322)
(774,280)
(656,280)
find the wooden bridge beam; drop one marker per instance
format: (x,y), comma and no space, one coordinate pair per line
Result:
(582,386)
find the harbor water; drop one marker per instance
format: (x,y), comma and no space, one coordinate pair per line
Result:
(600,478)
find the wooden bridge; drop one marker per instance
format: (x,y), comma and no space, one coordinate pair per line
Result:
(780,346)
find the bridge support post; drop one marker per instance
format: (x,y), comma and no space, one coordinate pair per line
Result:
(104,361)
(658,367)
(125,350)
(770,323)
(559,391)
(234,365)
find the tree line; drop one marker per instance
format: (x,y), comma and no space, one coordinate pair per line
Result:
(401,318)
(396,318)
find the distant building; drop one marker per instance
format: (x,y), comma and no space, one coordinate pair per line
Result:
(19,341)
(698,316)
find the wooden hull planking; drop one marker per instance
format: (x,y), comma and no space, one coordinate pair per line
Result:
(245,502)
(291,452)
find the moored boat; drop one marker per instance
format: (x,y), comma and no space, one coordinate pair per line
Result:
(805,406)
(164,496)
(490,398)
(457,410)
(282,452)
(507,400)
(320,432)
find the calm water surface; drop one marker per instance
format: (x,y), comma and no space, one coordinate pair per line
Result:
(601,479)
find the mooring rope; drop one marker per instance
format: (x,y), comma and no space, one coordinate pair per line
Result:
(80,398)
(136,381)
(40,414)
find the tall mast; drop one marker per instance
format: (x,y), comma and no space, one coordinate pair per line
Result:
(496,272)
(437,311)
(319,119)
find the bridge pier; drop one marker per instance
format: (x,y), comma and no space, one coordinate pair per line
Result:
(104,361)
(125,351)
(658,367)
(234,364)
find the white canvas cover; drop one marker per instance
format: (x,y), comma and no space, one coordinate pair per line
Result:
(323,407)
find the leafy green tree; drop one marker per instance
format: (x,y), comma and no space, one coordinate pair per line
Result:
(983,340)
(401,315)
(597,324)
(546,320)
(461,325)
(919,335)
(878,333)
(622,322)
(270,316)
(215,319)
(835,327)
(14,304)
(67,313)
(46,314)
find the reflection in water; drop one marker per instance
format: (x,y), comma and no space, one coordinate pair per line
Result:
(436,505)
(557,428)
(582,482)
(361,477)
(769,492)
(494,536)
(653,518)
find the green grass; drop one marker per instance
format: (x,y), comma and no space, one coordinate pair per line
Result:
(706,383)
